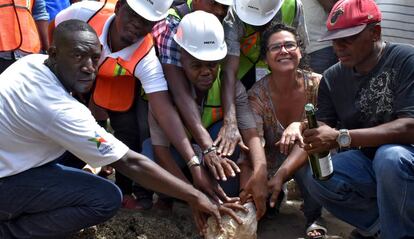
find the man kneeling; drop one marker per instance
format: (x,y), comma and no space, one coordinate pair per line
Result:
(40,120)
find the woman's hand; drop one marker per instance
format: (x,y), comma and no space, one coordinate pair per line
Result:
(291,135)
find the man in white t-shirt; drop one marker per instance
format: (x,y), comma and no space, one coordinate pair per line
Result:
(40,120)
(124,35)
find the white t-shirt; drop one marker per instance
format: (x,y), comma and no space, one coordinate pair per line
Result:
(40,120)
(148,71)
(315,21)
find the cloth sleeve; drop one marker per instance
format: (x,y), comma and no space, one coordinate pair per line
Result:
(404,101)
(233,32)
(169,51)
(75,129)
(39,12)
(157,134)
(299,24)
(326,110)
(149,72)
(244,115)
(257,109)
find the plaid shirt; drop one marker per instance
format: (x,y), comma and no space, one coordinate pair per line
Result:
(168,49)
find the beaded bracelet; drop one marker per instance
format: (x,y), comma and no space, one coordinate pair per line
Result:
(213,148)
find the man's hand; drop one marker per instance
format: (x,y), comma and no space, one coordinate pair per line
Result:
(230,208)
(256,187)
(227,139)
(275,185)
(291,135)
(201,208)
(320,139)
(203,181)
(220,167)
(200,217)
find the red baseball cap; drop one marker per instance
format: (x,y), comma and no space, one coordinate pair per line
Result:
(350,17)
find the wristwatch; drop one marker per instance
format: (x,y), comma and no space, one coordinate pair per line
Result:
(344,139)
(194,161)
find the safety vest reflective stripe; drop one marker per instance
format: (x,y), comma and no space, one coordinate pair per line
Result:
(18,28)
(115,82)
(250,51)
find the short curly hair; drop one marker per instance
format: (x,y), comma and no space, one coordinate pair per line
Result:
(278,27)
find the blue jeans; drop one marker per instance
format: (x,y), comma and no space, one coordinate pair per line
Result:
(312,208)
(371,194)
(53,201)
(322,59)
(231,186)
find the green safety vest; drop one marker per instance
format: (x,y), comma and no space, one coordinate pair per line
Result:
(250,42)
(181,10)
(212,110)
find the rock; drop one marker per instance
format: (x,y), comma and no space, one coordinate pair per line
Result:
(233,230)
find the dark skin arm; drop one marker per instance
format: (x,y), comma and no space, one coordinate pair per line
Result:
(203,182)
(327,4)
(170,122)
(201,178)
(179,87)
(180,90)
(229,134)
(254,183)
(295,160)
(42,28)
(399,131)
(148,174)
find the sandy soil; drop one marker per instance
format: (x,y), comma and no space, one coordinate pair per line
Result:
(157,224)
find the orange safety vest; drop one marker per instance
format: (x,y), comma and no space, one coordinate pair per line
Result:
(18,28)
(115,82)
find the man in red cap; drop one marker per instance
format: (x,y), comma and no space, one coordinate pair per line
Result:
(366,111)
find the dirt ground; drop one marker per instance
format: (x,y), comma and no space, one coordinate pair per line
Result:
(178,224)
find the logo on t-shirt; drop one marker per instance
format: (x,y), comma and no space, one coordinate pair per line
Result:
(98,140)
(101,144)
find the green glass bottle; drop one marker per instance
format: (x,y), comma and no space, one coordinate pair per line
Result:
(320,163)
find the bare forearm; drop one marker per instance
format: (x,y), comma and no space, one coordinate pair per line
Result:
(180,90)
(399,131)
(170,122)
(227,97)
(230,68)
(246,171)
(296,159)
(256,151)
(148,174)
(42,26)
(167,162)
(191,117)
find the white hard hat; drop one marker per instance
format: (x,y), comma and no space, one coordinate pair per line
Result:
(225,2)
(152,10)
(202,36)
(257,12)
